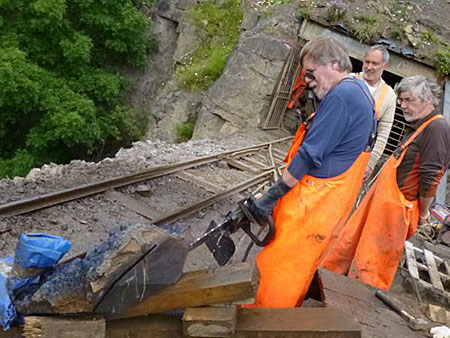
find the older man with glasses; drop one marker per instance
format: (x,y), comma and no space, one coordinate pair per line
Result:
(371,244)
(325,169)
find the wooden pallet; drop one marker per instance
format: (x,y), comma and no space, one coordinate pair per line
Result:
(429,272)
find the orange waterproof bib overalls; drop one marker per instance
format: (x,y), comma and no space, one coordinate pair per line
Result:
(371,244)
(306,218)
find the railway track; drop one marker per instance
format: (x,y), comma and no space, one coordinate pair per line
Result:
(162,195)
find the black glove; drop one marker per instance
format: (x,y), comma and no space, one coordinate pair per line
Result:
(262,207)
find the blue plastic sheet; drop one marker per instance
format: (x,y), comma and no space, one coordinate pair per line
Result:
(39,250)
(7,310)
(35,250)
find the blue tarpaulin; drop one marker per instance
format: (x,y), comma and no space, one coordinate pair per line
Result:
(39,250)
(35,250)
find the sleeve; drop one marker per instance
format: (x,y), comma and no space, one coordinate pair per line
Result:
(384,127)
(433,149)
(329,127)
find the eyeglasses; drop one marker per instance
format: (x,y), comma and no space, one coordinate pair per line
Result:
(309,74)
(406,100)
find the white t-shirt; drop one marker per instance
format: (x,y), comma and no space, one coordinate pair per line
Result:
(372,89)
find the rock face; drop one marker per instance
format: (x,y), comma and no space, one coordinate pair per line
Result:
(240,97)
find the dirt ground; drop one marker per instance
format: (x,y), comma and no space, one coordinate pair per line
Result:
(86,222)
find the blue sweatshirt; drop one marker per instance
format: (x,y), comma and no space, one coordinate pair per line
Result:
(337,135)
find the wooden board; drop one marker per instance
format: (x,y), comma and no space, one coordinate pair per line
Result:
(358,299)
(132,204)
(199,182)
(52,327)
(242,166)
(199,288)
(432,270)
(296,323)
(251,323)
(210,321)
(411,260)
(154,326)
(430,273)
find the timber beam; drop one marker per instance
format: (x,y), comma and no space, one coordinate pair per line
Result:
(199,288)
(251,323)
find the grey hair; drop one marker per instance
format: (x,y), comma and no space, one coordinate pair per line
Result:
(420,87)
(326,49)
(382,49)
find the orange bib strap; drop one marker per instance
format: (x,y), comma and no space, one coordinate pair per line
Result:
(380,100)
(371,244)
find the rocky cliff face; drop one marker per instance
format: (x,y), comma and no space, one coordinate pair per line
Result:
(240,97)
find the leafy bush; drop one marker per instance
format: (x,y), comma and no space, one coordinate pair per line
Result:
(60,97)
(184,131)
(366,29)
(336,10)
(305,9)
(218,24)
(443,61)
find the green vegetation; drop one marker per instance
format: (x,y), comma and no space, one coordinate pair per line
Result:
(60,91)
(184,131)
(336,10)
(400,10)
(218,26)
(443,61)
(430,38)
(280,2)
(305,9)
(366,27)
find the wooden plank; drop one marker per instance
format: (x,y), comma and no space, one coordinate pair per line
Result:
(261,158)
(278,152)
(199,288)
(296,323)
(256,163)
(442,250)
(251,323)
(154,326)
(358,299)
(443,276)
(437,259)
(132,204)
(210,321)
(432,270)
(63,327)
(190,178)
(239,165)
(447,268)
(411,260)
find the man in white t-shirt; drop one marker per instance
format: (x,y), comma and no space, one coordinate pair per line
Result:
(375,62)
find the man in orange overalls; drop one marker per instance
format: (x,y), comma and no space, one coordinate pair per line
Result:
(371,244)
(325,170)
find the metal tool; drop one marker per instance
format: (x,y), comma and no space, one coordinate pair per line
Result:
(442,214)
(146,276)
(414,323)
(217,236)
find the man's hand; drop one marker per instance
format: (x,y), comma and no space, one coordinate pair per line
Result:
(424,219)
(262,207)
(368,173)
